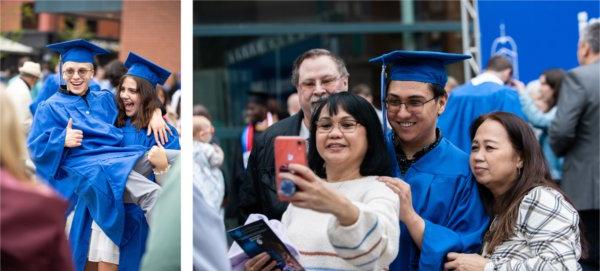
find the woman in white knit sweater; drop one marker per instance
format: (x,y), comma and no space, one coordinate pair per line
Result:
(341,217)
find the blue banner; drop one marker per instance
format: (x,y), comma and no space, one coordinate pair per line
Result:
(537,35)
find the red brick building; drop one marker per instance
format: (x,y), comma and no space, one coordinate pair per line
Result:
(150,28)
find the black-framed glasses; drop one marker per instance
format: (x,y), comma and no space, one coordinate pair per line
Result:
(327,83)
(71,72)
(345,126)
(413,106)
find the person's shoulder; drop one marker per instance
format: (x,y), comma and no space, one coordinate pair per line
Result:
(585,68)
(547,198)
(461,90)
(452,160)
(36,194)
(371,182)
(371,187)
(542,202)
(585,72)
(97,91)
(55,99)
(506,91)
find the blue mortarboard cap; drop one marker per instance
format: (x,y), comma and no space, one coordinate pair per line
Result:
(420,66)
(146,69)
(78,50)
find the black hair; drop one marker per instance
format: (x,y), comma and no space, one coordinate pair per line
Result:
(554,79)
(377,161)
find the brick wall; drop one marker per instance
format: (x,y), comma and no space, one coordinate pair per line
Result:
(10,15)
(108,29)
(152,29)
(47,22)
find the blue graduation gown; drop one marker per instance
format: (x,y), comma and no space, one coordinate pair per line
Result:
(135,136)
(92,176)
(445,195)
(467,102)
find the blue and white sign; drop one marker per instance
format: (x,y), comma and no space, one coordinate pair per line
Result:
(536,35)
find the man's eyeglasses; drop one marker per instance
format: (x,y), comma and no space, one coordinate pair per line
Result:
(345,126)
(327,83)
(71,72)
(413,106)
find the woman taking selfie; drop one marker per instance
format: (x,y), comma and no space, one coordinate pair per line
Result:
(341,217)
(534,227)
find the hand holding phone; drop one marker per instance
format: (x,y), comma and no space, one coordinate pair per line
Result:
(288,150)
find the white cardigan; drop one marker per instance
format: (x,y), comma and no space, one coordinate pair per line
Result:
(369,244)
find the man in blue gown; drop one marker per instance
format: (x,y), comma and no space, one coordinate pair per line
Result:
(440,208)
(484,94)
(50,86)
(79,151)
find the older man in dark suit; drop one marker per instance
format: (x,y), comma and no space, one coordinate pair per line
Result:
(316,74)
(574,134)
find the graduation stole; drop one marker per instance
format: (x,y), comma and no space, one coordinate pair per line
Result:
(247,138)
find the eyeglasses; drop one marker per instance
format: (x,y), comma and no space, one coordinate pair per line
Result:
(345,126)
(413,106)
(327,83)
(70,72)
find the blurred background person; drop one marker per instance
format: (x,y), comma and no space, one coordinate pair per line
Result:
(19,91)
(450,84)
(113,71)
(258,119)
(487,92)
(209,253)
(541,111)
(293,104)
(276,109)
(535,226)
(574,135)
(208,158)
(163,250)
(365,91)
(32,220)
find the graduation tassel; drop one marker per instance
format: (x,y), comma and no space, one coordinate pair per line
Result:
(382,98)
(60,74)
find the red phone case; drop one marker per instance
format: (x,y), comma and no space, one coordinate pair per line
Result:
(288,149)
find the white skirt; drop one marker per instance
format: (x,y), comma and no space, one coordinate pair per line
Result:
(102,249)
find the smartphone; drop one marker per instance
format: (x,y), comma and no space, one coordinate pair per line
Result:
(288,150)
